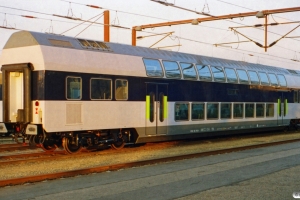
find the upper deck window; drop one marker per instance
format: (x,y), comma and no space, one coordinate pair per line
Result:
(204,73)
(172,69)
(121,90)
(273,79)
(218,73)
(282,81)
(73,88)
(100,89)
(263,78)
(231,75)
(243,77)
(153,68)
(253,77)
(188,71)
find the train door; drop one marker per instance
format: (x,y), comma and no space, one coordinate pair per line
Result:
(282,109)
(16,93)
(156,109)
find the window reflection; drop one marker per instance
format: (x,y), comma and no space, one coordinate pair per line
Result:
(188,71)
(204,73)
(172,69)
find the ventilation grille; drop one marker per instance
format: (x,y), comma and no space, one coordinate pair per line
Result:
(60,43)
(94,45)
(74,113)
(292,71)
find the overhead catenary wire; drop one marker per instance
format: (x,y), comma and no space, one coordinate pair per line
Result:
(119,11)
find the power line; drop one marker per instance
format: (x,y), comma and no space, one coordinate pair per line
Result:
(201,42)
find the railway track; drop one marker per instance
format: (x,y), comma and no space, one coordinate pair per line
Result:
(38,156)
(14,147)
(113,167)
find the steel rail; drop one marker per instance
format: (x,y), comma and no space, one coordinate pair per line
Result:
(40,156)
(15,148)
(11,145)
(114,167)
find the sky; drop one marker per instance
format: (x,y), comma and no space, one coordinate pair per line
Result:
(195,39)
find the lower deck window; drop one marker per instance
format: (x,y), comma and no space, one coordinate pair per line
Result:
(100,89)
(225,111)
(238,110)
(181,111)
(73,88)
(121,92)
(197,111)
(270,110)
(212,111)
(249,110)
(260,110)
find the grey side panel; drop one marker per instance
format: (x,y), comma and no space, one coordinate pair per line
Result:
(211,129)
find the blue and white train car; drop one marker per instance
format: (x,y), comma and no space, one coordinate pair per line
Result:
(70,92)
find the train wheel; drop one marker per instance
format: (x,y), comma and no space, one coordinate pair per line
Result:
(69,147)
(32,142)
(48,146)
(119,144)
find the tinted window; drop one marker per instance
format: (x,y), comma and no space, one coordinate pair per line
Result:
(263,78)
(121,92)
(260,110)
(100,88)
(181,111)
(225,111)
(153,68)
(172,69)
(188,71)
(249,110)
(243,77)
(253,77)
(270,110)
(231,75)
(212,111)
(273,79)
(218,73)
(282,80)
(204,73)
(296,96)
(238,110)
(73,88)
(197,111)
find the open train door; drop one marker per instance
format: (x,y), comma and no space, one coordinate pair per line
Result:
(16,93)
(282,110)
(156,108)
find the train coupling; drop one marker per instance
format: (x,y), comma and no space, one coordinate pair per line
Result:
(12,129)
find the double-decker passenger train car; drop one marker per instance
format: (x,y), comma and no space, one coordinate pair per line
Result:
(73,93)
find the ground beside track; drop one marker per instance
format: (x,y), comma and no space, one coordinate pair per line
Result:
(263,173)
(146,152)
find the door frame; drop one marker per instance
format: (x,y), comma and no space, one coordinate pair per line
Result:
(26,69)
(156,127)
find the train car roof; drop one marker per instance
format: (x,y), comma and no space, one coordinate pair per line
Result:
(26,38)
